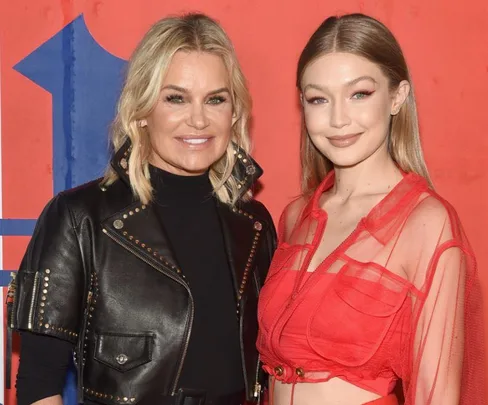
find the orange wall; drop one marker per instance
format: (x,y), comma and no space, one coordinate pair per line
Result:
(445,43)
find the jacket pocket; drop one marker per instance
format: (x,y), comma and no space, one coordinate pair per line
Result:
(124,351)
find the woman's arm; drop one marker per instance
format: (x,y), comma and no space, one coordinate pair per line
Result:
(447,346)
(55,400)
(42,369)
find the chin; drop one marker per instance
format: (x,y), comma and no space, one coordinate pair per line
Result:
(345,161)
(196,168)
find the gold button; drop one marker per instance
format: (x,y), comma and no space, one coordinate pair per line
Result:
(279,370)
(300,372)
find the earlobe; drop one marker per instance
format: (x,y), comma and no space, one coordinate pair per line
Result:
(142,123)
(401,96)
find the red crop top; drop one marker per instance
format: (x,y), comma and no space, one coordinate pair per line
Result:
(357,318)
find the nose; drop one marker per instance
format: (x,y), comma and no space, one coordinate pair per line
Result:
(198,118)
(339,117)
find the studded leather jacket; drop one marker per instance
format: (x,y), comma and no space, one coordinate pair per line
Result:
(99,272)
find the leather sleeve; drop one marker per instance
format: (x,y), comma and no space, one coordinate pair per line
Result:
(51,281)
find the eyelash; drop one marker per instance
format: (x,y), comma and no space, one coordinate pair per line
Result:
(313,100)
(366,94)
(174,98)
(178,99)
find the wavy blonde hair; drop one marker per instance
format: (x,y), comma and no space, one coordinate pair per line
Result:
(364,36)
(146,71)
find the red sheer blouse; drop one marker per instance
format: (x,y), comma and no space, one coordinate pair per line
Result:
(398,299)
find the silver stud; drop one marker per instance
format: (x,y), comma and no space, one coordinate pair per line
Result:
(118,224)
(121,359)
(258,226)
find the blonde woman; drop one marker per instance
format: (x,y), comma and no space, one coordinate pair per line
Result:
(150,276)
(373,282)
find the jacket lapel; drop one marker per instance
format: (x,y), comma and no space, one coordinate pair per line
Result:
(246,170)
(242,234)
(139,230)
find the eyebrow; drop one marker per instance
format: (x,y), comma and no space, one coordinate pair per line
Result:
(350,83)
(183,90)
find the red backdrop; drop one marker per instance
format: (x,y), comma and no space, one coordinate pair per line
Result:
(445,43)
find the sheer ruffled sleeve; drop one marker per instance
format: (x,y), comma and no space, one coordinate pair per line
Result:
(446,344)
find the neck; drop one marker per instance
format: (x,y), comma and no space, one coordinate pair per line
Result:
(377,174)
(175,189)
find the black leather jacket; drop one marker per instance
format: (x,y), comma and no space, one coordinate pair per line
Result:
(99,272)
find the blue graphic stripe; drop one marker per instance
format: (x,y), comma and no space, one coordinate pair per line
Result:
(17,227)
(14,227)
(67,39)
(5,278)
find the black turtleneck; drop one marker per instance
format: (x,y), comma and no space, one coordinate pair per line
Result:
(188,213)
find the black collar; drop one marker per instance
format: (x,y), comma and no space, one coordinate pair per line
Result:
(246,170)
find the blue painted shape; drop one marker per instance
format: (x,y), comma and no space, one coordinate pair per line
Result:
(17,227)
(85,81)
(5,279)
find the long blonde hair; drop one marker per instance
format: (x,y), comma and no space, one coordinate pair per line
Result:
(146,71)
(364,36)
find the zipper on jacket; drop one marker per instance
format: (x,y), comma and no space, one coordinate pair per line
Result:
(12,286)
(30,319)
(192,312)
(257,386)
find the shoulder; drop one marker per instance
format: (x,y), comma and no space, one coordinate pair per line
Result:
(89,199)
(291,216)
(294,209)
(432,231)
(434,214)
(258,210)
